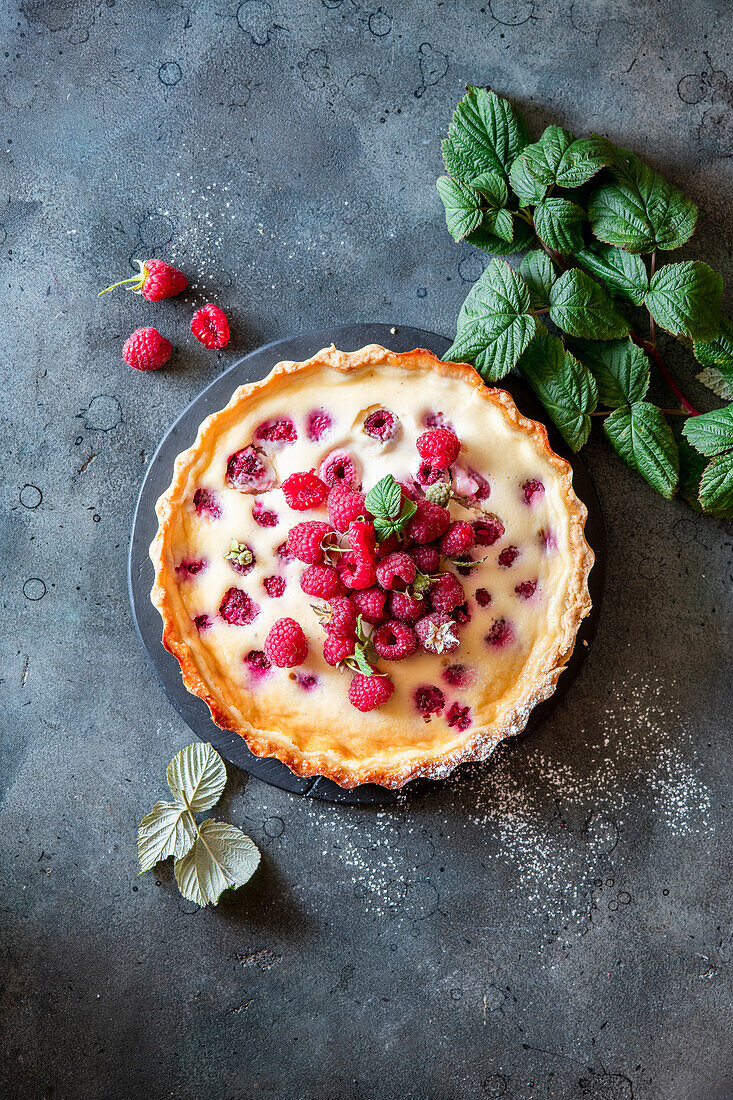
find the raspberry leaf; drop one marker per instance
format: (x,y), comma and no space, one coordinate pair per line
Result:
(643,438)
(620,368)
(462,205)
(623,273)
(196,775)
(566,388)
(220,857)
(525,187)
(716,356)
(500,223)
(558,159)
(538,273)
(385,499)
(486,134)
(684,299)
(711,433)
(494,325)
(716,487)
(557,223)
(580,307)
(493,188)
(692,467)
(485,239)
(168,830)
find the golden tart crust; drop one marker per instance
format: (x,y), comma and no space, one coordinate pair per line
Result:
(302,716)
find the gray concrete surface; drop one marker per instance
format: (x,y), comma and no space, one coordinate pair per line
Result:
(556,924)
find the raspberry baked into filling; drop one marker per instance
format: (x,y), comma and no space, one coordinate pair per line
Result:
(371,566)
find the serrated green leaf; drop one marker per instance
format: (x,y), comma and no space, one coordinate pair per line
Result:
(494,325)
(486,134)
(620,368)
(385,499)
(582,159)
(717,352)
(493,188)
(168,830)
(564,386)
(623,273)
(716,487)
(692,466)
(489,242)
(462,204)
(643,438)
(359,658)
(557,223)
(638,210)
(580,307)
(710,433)
(684,299)
(539,274)
(197,776)
(500,223)
(542,157)
(717,382)
(221,856)
(524,186)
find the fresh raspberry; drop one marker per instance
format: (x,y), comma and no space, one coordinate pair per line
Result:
(429,700)
(397,571)
(458,539)
(249,471)
(439,447)
(337,649)
(394,640)
(357,572)
(458,716)
(530,488)
(202,622)
(382,425)
(370,603)
(321,581)
(389,545)
(344,505)
(264,516)
(237,608)
(500,633)
(439,492)
(437,632)
(317,424)
(257,664)
(488,530)
(508,556)
(426,558)
(304,491)
(526,589)
(279,431)
(362,539)
(405,607)
(409,489)
(436,420)
(155,280)
(304,540)
(340,468)
(429,522)
(341,618)
(274,586)
(446,592)
(462,614)
(146,349)
(483,598)
(369,692)
(458,675)
(210,326)
(206,503)
(286,645)
(429,475)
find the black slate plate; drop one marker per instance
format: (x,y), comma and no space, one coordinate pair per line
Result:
(183,433)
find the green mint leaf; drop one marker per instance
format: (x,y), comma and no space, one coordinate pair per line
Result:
(692,466)
(557,223)
(407,511)
(385,499)
(716,487)
(717,352)
(623,273)
(494,325)
(620,368)
(711,433)
(493,188)
(581,308)
(486,134)
(643,438)
(462,204)
(684,299)
(384,529)
(539,274)
(197,776)
(359,659)
(638,210)
(582,159)
(168,830)
(221,856)
(524,186)
(488,241)
(565,387)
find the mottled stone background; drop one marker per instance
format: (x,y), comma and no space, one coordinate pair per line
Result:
(556,924)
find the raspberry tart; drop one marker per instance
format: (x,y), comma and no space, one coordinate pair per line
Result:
(371,566)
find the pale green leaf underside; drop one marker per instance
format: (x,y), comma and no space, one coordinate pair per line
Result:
(716,487)
(221,856)
(167,830)
(197,773)
(557,222)
(717,352)
(462,207)
(623,273)
(644,440)
(538,273)
(581,308)
(565,387)
(685,299)
(486,134)
(620,368)
(712,433)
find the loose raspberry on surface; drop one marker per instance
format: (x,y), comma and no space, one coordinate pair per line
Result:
(304,491)
(526,589)
(155,280)
(371,604)
(437,632)
(439,447)
(531,489)
(286,645)
(257,664)
(458,716)
(458,539)
(428,523)
(280,431)
(488,530)
(356,572)
(369,692)
(241,558)
(317,424)
(446,592)
(482,597)
(508,556)
(206,503)
(345,505)
(210,326)
(500,633)
(306,540)
(341,618)
(406,607)
(283,553)
(321,581)
(458,675)
(237,608)
(265,517)
(394,640)
(340,468)
(275,587)
(426,558)
(250,471)
(190,568)
(429,700)
(382,425)
(337,649)
(146,349)
(202,622)
(397,571)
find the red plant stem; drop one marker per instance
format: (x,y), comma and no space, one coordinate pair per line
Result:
(659,362)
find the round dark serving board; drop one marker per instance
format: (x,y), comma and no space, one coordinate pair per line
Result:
(183,433)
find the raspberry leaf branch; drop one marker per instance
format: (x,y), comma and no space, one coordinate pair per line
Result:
(391,511)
